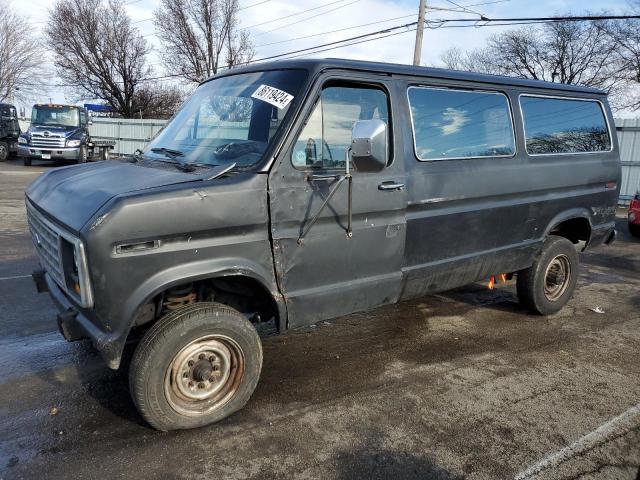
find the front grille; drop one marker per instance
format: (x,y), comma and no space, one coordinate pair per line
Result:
(53,140)
(47,243)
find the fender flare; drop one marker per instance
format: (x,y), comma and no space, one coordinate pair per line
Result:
(202,271)
(570,214)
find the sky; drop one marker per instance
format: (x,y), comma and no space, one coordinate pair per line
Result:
(273,34)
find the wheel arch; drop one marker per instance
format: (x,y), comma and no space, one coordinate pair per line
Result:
(574,225)
(188,273)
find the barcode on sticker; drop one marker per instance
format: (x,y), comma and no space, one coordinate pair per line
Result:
(272,95)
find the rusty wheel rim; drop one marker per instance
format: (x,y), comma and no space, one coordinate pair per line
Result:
(204,375)
(557,277)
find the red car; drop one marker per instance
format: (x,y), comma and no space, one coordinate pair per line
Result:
(634,215)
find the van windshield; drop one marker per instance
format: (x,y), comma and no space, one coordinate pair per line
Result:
(55,116)
(229,120)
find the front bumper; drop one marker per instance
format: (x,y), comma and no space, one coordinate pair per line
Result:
(67,153)
(75,325)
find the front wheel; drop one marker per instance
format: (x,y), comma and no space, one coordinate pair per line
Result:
(26,161)
(4,151)
(634,230)
(195,366)
(547,285)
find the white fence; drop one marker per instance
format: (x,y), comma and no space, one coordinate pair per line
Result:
(628,131)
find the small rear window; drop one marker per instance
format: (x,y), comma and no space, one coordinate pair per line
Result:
(558,125)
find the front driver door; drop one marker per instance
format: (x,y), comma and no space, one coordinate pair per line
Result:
(329,273)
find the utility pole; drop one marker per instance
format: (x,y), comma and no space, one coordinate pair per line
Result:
(417,51)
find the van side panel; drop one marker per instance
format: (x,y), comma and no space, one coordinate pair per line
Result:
(469,219)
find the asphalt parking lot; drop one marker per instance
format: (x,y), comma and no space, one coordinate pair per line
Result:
(459,385)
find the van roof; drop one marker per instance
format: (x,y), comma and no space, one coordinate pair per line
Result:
(317,65)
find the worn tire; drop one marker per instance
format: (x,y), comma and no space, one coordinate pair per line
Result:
(634,230)
(4,151)
(532,282)
(26,161)
(150,373)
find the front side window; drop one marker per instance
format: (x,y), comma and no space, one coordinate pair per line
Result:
(229,120)
(326,138)
(450,124)
(54,116)
(558,125)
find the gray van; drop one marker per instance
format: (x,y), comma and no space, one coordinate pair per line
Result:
(286,193)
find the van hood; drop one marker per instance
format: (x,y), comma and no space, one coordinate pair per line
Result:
(72,195)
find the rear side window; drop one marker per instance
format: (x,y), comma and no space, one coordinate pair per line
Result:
(449,124)
(559,125)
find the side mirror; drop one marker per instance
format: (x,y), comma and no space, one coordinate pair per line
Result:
(369,145)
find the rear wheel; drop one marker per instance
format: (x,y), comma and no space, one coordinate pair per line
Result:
(548,284)
(634,230)
(195,366)
(4,151)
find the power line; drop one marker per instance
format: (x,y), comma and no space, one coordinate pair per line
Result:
(335,31)
(254,5)
(408,27)
(544,19)
(305,19)
(293,14)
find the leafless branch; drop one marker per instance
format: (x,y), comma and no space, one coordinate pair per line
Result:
(201,36)
(98,52)
(20,57)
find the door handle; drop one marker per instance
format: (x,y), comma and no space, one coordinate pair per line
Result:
(391,186)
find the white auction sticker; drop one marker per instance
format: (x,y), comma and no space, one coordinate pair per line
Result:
(272,95)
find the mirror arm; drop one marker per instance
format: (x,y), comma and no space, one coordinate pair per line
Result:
(322,207)
(349,179)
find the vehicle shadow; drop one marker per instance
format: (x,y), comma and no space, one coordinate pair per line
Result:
(372,460)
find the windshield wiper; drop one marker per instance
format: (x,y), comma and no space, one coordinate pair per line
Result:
(168,151)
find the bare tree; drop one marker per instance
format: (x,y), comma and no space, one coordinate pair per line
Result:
(158,101)
(581,53)
(200,36)
(471,61)
(20,57)
(98,51)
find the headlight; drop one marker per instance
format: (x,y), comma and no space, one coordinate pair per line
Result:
(73,143)
(75,271)
(22,141)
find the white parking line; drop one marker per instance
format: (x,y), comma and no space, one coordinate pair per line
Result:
(14,277)
(614,428)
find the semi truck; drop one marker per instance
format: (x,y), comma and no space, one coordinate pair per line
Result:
(9,131)
(61,132)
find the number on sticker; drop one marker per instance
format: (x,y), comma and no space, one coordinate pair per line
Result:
(272,96)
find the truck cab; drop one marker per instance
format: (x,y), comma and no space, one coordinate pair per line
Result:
(9,131)
(57,132)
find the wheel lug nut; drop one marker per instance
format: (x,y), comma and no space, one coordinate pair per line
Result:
(190,363)
(191,384)
(212,379)
(185,374)
(201,356)
(201,385)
